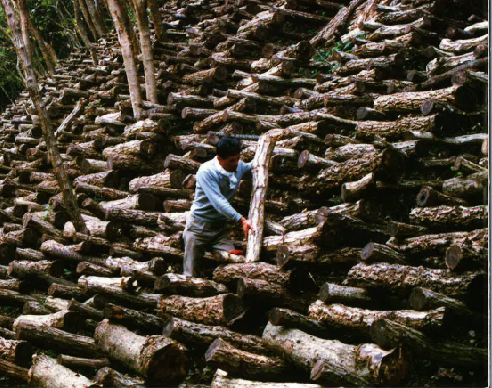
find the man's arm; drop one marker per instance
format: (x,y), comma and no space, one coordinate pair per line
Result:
(210,185)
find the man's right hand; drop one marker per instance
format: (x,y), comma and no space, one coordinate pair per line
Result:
(246,227)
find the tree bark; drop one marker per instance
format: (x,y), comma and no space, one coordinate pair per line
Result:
(133,318)
(188,286)
(221,380)
(156,358)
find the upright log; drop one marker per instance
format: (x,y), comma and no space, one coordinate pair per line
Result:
(266,144)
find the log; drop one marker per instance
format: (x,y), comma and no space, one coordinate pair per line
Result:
(222,310)
(47,373)
(422,299)
(428,196)
(108,377)
(167,179)
(199,334)
(187,286)
(309,350)
(77,345)
(355,296)
(374,252)
(57,250)
(258,270)
(387,334)
(238,362)
(400,279)
(17,352)
(156,358)
(133,318)
(81,363)
(221,380)
(10,369)
(85,310)
(459,257)
(358,320)
(266,144)
(101,179)
(294,320)
(445,216)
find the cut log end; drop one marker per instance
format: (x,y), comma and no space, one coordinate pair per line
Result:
(167,364)
(282,257)
(303,159)
(454,255)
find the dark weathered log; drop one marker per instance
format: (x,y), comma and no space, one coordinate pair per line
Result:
(359,320)
(387,334)
(223,309)
(462,256)
(57,250)
(12,370)
(400,279)
(438,243)
(156,358)
(263,271)
(139,217)
(199,334)
(108,377)
(354,296)
(294,320)
(133,318)
(428,196)
(238,362)
(25,269)
(107,178)
(57,338)
(444,216)
(374,252)
(424,299)
(82,363)
(310,349)
(85,310)
(182,285)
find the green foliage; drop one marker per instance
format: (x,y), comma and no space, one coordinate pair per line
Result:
(323,55)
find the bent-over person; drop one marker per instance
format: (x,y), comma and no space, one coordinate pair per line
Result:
(209,223)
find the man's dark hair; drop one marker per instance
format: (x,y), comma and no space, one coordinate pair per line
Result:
(228,146)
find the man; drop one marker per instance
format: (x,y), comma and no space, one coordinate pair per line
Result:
(207,223)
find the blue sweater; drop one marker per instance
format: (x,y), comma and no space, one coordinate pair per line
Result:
(214,190)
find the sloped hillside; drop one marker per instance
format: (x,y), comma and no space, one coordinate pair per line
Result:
(374,263)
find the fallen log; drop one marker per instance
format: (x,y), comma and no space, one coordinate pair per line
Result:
(359,320)
(199,334)
(354,296)
(133,318)
(221,380)
(387,334)
(82,363)
(156,358)
(294,320)
(108,377)
(400,279)
(238,362)
(188,286)
(454,217)
(47,373)
(379,365)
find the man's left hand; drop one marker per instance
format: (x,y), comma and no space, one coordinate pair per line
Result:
(246,227)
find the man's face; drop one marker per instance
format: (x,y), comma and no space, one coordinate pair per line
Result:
(230,163)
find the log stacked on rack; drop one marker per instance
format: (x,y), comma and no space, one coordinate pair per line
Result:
(375,218)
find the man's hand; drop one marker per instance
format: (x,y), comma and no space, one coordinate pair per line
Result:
(246,227)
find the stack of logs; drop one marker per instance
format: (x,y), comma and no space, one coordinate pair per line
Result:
(376,230)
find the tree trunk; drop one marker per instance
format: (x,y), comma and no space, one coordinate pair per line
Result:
(133,318)
(24,52)
(79,22)
(256,216)
(122,24)
(82,363)
(294,320)
(140,7)
(156,358)
(444,216)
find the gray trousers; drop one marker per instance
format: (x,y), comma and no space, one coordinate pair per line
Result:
(200,236)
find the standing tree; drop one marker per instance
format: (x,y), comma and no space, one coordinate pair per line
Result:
(122,23)
(22,44)
(146,47)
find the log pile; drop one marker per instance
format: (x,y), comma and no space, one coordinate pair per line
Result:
(375,235)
